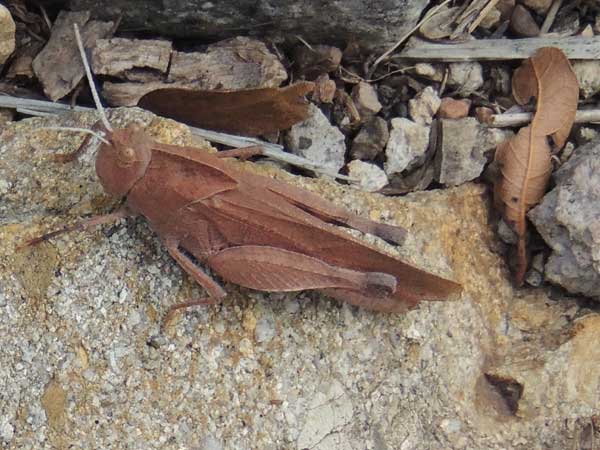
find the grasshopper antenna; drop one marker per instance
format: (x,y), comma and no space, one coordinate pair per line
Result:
(88,74)
(78,130)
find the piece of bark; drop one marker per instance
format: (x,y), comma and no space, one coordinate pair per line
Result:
(58,65)
(575,47)
(238,63)
(366,101)
(127,58)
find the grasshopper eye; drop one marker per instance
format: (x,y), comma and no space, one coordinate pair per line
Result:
(126,156)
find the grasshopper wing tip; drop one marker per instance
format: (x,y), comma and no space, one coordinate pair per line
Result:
(380,284)
(391,233)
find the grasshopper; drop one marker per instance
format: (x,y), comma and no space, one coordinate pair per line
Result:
(251,230)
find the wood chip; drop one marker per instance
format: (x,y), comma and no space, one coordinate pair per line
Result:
(57,66)
(239,63)
(124,58)
(500,49)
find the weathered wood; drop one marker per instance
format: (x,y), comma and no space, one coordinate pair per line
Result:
(125,57)
(238,63)
(499,49)
(234,64)
(54,65)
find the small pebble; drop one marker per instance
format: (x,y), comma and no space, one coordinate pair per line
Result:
(522,23)
(372,178)
(466,77)
(370,140)
(483,114)
(365,100)
(454,109)
(407,146)
(7,34)
(588,76)
(317,140)
(424,106)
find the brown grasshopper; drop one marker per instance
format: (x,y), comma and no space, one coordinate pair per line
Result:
(251,230)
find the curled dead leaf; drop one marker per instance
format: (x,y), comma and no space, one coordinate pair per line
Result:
(525,160)
(249,112)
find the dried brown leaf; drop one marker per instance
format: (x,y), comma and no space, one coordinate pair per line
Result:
(249,112)
(525,159)
(549,77)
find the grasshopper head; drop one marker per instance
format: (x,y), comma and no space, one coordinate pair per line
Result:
(124,161)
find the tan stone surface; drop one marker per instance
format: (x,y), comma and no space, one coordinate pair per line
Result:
(269,371)
(7,34)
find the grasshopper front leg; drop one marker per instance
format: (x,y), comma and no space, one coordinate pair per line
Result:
(79,226)
(215,291)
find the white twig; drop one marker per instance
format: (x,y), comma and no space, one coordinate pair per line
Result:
(574,47)
(301,39)
(518,119)
(31,112)
(88,73)
(78,130)
(37,106)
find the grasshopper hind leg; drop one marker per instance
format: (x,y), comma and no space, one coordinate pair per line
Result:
(331,213)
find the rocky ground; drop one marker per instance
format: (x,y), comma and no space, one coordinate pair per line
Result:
(84,362)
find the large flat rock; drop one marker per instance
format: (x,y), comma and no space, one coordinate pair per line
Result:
(377,24)
(83,360)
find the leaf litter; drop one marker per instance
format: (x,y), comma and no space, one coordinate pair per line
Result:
(525,160)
